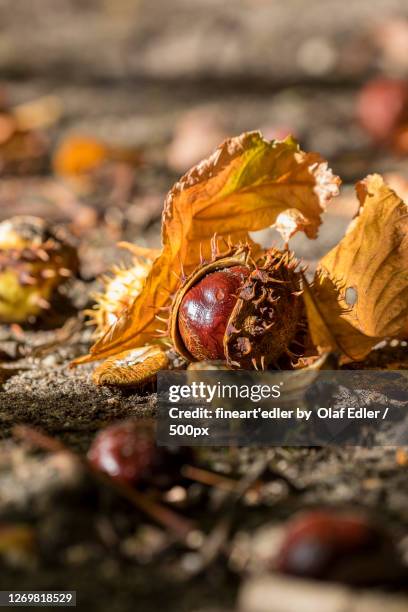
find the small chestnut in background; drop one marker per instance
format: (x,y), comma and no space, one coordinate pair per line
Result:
(127,451)
(36,258)
(382,110)
(341,546)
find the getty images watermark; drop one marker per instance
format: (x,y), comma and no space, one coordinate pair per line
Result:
(283,408)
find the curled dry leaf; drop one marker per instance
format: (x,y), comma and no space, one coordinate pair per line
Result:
(247,184)
(359,295)
(131,367)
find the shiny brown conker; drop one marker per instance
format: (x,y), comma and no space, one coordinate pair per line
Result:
(127,451)
(246,313)
(341,546)
(205,311)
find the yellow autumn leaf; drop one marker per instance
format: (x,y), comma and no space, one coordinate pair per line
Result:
(360,292)
(247,184)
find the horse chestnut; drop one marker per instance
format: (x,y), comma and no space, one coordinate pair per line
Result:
(35,259)
(205,310)
(127,452)
(346,547)
(245,313)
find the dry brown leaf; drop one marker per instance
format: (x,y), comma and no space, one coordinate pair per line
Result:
(130,367)
(361,287)
(247,184)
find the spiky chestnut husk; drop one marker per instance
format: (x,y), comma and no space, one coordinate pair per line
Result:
(121,288)
(35,258)
(119,292)
(248,314)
